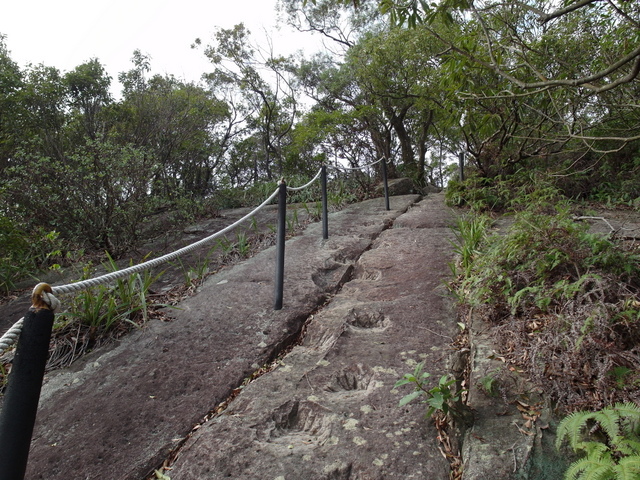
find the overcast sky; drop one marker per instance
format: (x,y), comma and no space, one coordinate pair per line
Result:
(67,33)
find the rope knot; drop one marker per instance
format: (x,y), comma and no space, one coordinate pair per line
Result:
(42,297)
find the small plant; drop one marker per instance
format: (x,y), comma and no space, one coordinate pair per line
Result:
(197,272)
(489,383)
(105,307)
(609,439)
(621,375)
(225,246)
(439,398)
(243,245)
(293,221)
(254,225)
(469,231)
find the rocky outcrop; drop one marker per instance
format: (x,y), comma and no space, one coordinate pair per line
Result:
(124,410)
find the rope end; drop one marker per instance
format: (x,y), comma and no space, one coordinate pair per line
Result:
(41,297)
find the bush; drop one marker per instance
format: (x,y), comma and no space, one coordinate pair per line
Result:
(563,302)
(23,254)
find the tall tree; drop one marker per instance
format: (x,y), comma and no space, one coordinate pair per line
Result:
(176,122)
(268,86)
(11,82)
(89,86)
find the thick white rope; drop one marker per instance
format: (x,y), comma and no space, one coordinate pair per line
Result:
(358,168)
(296,189)
(11,336)
(109,277)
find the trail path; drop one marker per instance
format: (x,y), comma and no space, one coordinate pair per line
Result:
(371,304)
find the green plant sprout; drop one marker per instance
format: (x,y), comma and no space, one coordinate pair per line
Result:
(243,245)
(439,398)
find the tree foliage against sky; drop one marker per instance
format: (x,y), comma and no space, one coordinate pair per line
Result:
(522,85)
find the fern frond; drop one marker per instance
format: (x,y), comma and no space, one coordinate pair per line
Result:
(571,428)
(628,409)
(630,418)
(627,446)
(608,419)
(595,449)
(628,468)
(591,468)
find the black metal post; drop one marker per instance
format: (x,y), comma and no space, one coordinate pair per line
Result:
(280,240)
(461,160)
(386,183)
(20,406)
(325,210)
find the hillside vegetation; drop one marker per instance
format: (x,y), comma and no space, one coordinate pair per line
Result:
(540,97)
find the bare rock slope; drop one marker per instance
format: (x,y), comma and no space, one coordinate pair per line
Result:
(372,304)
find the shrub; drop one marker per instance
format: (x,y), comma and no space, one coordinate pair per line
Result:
(563,302)
(23,254)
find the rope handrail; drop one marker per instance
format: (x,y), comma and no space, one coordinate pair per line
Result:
(296,189)
(359,167)
(92,282)
(10,337)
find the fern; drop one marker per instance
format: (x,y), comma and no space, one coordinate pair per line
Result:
(591,468)
(628,468)
(615,458)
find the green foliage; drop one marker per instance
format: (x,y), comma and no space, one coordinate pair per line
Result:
(561,299)
(243,246)
(109,307)
(545,258)
(23,255)
(439,398)
(470,232)
(609,439)
(97,198)
(195,273)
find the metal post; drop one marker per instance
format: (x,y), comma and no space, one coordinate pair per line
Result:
(461,160)
(386,183)
(20,406)
(280,240)
(325,210)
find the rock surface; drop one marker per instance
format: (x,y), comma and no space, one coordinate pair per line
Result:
(360,310)
(121,411)
(329,411)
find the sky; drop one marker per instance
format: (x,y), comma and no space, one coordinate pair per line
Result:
(67,33)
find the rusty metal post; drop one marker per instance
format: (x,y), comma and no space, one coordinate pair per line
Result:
(280,241)
(20,406)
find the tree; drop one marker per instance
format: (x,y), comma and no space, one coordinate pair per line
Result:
(341,25)
(44,98)
(585,48)
(11,82)
(88,86)
(268,87)
(97,197)
(398,72)
(176,122)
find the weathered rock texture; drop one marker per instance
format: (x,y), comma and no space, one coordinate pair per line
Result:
(121,411)
(329,411)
